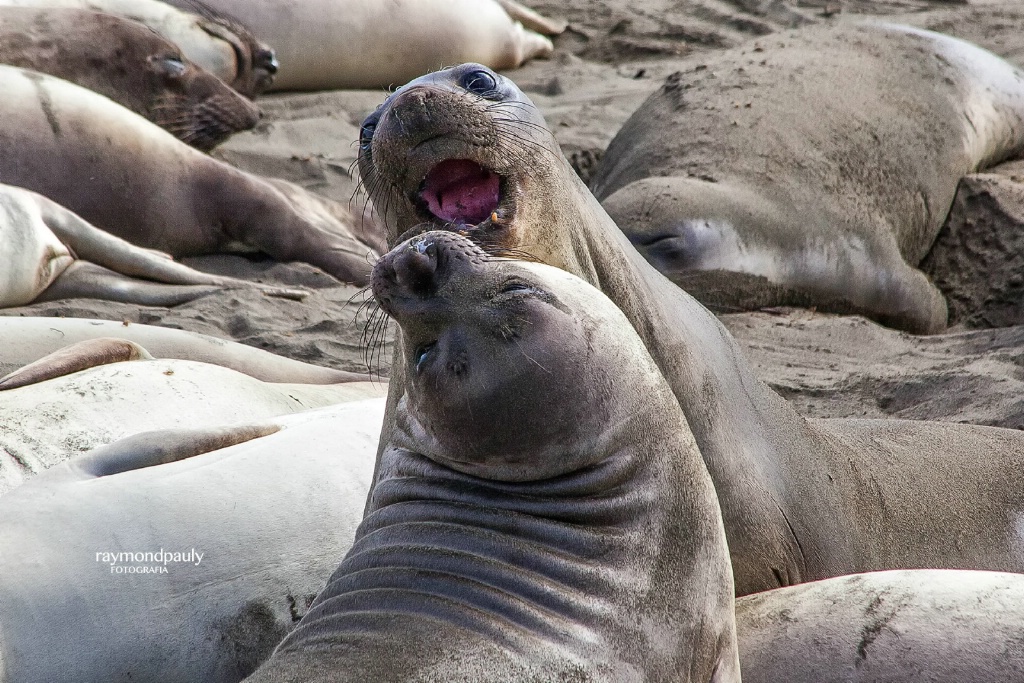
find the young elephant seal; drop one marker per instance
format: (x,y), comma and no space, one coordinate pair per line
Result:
(815,169)
(128,177)
(464,149)
(542,512)
(218,44)
(130,64)
(49,253)
(326,46)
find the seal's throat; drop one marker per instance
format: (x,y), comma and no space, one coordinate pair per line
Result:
(558,560)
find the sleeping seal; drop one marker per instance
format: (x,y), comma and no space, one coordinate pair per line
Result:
(542,512)
(812,169)
(130,64)
(49,253)
(218,44)
(129,177)
(326,46)
(464,149)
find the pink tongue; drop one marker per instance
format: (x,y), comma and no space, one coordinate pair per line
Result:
(461,191)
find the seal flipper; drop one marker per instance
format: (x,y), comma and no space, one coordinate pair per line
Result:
(164,446)
(74,358)
(110,252)
(533,20)
(84,280)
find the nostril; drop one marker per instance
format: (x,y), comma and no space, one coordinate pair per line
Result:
(416,266)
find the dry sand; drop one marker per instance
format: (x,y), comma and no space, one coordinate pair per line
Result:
(615,53)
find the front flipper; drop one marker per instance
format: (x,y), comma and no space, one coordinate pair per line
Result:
(533,20)
(149,449)
(74,358)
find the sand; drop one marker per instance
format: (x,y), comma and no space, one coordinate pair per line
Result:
(615,53)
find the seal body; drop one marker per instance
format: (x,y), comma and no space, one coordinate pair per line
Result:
(44,247)
(324,46)
(935,625)
(128,177)
(463,149)
(515,534)
(812,168)
(217,44)
(51,421)
(131,65)
(247,524)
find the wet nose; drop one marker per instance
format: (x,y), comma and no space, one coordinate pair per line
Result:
(416,266)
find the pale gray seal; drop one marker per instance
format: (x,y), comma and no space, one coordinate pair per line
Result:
(917,626)
(325,46)
(542,511)
(129,63)
(256,528)
(129,177)
(464,149)
(812,168)
(62,414)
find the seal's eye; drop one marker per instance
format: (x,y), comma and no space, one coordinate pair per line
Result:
(171,66)
(516,287)
(366,133)
(480,83)
(421,354)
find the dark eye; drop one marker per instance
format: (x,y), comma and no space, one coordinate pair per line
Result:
(480,83)
(421,354)
(366,132)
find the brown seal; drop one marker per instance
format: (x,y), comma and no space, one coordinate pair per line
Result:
(465,149)
(814,168)
(542,514)
(130,178)
(130,64)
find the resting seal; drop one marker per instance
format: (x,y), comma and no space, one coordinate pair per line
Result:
(921,626)
(268,516)
(27,340)
(465,149)
(325,46)
(130,178)
(516,534)
(131,65)
(816,170)
(76,409)
(44,247)
(218,44)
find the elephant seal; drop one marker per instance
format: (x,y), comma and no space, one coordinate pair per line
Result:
(324,46)
(129,177)
(27,340)
(814,168)
(464,149)
(918,626)
(516,534)
(218,44)
(48,422)
(130,64)
(249,532)
(44,248)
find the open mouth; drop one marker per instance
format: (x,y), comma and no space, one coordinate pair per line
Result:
(461,191)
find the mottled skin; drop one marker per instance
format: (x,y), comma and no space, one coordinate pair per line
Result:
(516,533)
(129,177)
(814,168)
(801,499)
(129,63)
(917,626)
